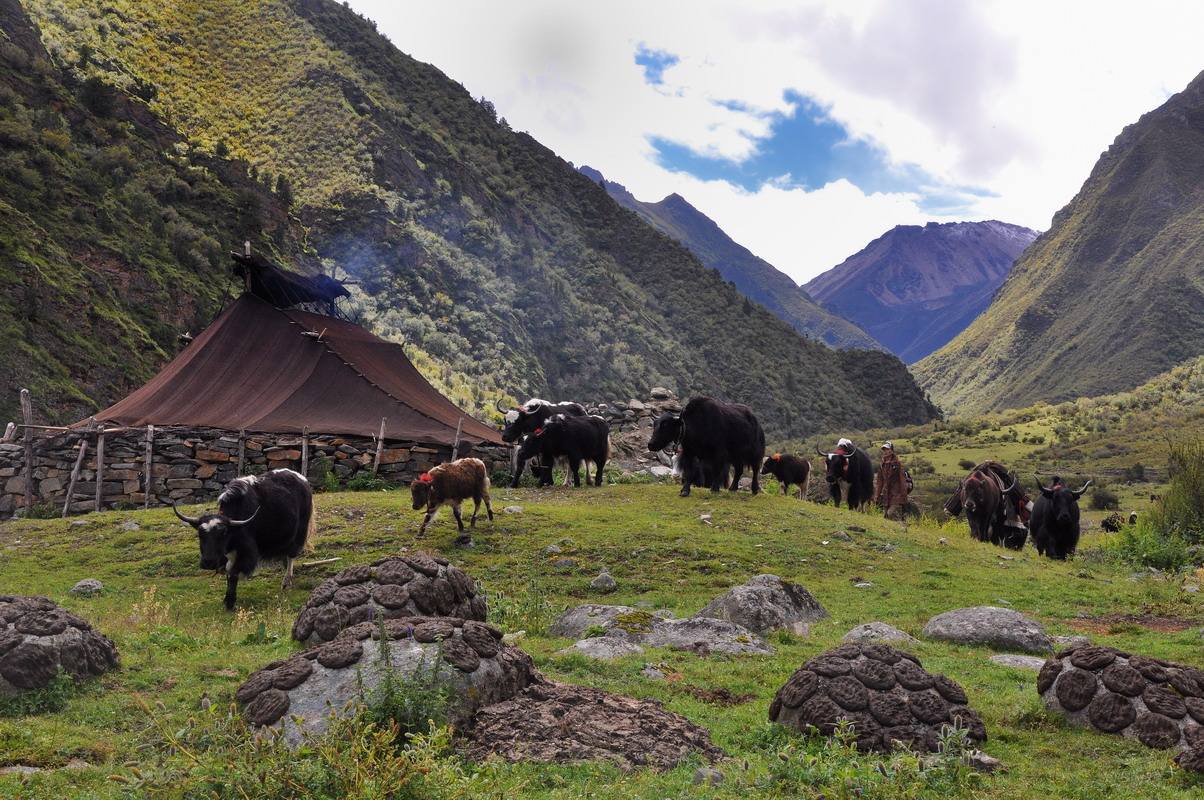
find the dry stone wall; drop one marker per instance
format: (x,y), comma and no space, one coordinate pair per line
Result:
(191,465)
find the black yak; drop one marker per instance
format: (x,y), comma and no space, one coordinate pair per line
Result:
(712,438)
(1055,519)
(577,439)
(850,465)
(790,471)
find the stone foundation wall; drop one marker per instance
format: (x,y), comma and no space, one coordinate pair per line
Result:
(192,465)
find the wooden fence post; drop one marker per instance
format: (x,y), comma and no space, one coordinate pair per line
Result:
(242,451)
(10,432)
(150,458)
(380,445)
(305,452)
(27,416)
(79,463)
(456,443)
(100,465)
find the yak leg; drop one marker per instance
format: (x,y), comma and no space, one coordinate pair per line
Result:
(476,508)
(805,489)
(231,589)
(719,479)
(739,469)
(756,479)
(288,573)
(785,488)
(518,469)
(430,514)
(575,469)
(488,508)
(459,519)
(598,465)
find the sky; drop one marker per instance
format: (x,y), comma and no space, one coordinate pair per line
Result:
(807,129)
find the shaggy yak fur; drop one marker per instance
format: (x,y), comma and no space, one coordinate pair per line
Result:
(452,484)
(577,439)
(713,439)
(259,516)
(1055,520)
(789,470)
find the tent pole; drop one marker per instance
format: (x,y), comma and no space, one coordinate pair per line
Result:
(305,452)
(456,443)
(150,457)
(79,462)
(27,415)
(100,464)
(380,446)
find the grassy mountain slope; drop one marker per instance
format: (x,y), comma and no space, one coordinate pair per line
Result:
(113,232)
(916,287)
(1111,294)
(756,278)
(502,268)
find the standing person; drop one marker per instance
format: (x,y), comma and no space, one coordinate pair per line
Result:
(890,487)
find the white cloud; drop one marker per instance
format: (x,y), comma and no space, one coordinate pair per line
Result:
(1018,97)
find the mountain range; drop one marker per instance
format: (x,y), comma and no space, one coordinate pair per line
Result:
(916,287)
(755,277)
(1112,294)
(143,140)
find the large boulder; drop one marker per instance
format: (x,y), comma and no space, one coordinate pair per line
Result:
(394,587)
(999,628)
(38,640)
(702,635)
(884,693)
(552,723)
(299,694)
(766,603)
(1158,703)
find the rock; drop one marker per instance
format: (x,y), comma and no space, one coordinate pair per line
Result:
(983,762)
(130,525)
(552,550)
(299,695)
(513,636)
(702,635)
(1033,663)
(399,586)
(942,540)
(603,648)
(1067,642)
(604,583)
(1001,628)
(38,639)
(870,632)
(1159,703)
(863,585)
(552,723)
(652,673)
(708,775)
(764,604)
(564,563)
(87,587)
(79,523)
(512,510)
(660,471)
(573,624)
(841,535)
(661,393)
(884,693)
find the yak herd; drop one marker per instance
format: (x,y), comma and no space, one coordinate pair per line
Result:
(271,516)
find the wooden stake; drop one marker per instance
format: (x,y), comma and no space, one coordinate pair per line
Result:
(100,464)
(150,457)
(305,452)
(9,432)
(27,415)
(79,462)
(456,444)
(380,445)
(242,451)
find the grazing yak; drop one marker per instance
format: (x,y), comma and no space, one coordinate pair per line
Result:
(1056,519)
(523,420)
(712,438)
(995,506)
(577,439)
(452,484)
(259,517)
(789,470)
(850,465)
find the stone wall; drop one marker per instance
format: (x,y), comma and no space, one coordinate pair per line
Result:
(631,424)
(192,465)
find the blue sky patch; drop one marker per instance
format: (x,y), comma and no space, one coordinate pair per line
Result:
(654,62)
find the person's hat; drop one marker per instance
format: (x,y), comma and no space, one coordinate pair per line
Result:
(887,446)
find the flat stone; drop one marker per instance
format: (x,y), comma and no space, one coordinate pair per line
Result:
(878,632)
(764,604)
(604,583)
(1033,663)
(512,510)
(603,648)
(707,775)
(573,624)
(87,587)
(1000,628)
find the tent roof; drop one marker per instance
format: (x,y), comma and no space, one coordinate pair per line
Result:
(255,368)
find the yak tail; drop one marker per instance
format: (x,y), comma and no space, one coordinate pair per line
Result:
(311,531)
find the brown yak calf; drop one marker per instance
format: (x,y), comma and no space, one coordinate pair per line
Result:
(452,484)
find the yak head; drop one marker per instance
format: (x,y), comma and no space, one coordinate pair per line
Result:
(837,462)
(534,443)
(214,532)
(1064,502)
(420,490)
(523,419)
(974,492)
(665,431)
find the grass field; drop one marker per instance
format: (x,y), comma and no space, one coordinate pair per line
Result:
(178,645)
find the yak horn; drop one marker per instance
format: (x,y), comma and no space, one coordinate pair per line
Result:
(498,404)
(1010,488)
(1079,493)
(238,523)
(1040,486)
(193,521)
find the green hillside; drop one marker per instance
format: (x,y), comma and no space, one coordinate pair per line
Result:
(1111,294)
(503,270)
(755,277)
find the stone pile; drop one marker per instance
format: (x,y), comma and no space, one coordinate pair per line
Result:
(883,693)
(1159,703)
(631,423)
(193,464)
(398,586)
(468,657)
(38,639)
(552,723)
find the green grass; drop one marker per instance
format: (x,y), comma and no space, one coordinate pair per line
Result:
(177,644)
